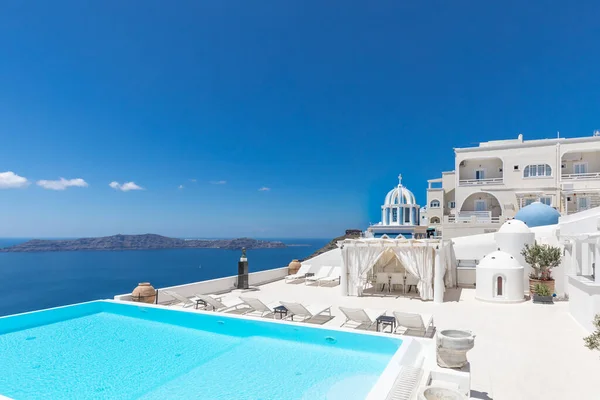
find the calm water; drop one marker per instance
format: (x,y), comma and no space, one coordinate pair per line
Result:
(103,354)
(31,281)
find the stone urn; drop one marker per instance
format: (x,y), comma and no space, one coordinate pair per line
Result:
(440,393)
(294,267)
(452,346)
(144,293)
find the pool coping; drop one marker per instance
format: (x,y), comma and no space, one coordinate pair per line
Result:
(379,390)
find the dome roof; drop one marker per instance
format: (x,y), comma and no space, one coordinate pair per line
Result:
(538,214)
(499,260)
(514,226)
(393,196)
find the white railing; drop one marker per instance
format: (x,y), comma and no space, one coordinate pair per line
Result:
(587,175)
(473,217)
(475,182)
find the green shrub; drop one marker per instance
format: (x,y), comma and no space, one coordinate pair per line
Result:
(541,290)
(592,342)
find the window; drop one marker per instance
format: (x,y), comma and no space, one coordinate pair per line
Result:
(479,174)
(407,212)
(434,204)
(546,200)
(537,170)
(583,203)
(480,205)
(529,201)
(451,204)
(434,220)
(394,214)
(580,168)
(516,168)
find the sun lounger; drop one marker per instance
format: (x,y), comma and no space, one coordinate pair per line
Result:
(322,273)
(408,323)
(316,314)
(182,300)
(301,274)
(220,305)
(359,318)
(258,308)
(334,275)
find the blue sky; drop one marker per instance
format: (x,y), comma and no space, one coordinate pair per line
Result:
(324,103)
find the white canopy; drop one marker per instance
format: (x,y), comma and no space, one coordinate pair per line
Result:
(418,257)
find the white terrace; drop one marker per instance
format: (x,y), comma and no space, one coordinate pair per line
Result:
(522,351)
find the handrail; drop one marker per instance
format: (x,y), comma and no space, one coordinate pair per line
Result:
(487,181)
(587,175)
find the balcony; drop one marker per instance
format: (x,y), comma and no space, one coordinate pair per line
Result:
(478,182)
(480,172)
(580,166)
(585,175)
(474,217)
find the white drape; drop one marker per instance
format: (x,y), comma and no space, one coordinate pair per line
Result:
(359,260)
(450,265)
(418,261)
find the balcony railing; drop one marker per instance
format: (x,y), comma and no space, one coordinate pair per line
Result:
(476,182)
(473,217)
(587,175)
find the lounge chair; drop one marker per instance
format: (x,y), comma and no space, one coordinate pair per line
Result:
(409,323)
(359,318)
(220,305)
(257,307)
(315,314)
(182,300)
(334,275)
(322,273)
(301,274)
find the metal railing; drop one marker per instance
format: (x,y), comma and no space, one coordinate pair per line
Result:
(475,182)
(587,175)
(477,217)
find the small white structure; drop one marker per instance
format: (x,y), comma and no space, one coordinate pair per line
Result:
(512,237)
(431,262)
(499,278)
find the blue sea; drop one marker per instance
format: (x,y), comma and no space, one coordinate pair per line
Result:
(31,281)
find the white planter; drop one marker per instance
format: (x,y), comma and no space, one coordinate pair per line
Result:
(452,347)
(440,393)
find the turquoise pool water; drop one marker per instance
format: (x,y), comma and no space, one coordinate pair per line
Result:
(106,350)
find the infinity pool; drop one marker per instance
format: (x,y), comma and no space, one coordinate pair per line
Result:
(109,350)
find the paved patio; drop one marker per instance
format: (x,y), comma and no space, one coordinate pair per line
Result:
(522,351)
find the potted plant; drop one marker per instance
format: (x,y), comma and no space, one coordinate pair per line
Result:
(592,342)
(541,294)
(542,258)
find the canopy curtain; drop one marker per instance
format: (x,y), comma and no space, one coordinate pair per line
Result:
(359,260)
(418,261)
(450,265)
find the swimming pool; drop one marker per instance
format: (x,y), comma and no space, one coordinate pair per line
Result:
(112,350)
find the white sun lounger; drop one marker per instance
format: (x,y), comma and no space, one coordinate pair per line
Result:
(334,275)
(182,300)
(228,306)
(359,318)
(316,314)
(257,307)
(409,322)
(322,273)
(301,274)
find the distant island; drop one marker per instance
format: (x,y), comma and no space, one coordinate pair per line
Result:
(138,242)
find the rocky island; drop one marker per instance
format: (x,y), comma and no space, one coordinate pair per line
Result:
(138,242)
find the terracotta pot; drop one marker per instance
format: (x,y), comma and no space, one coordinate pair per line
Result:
(294,267)
(144,293)
(548,284)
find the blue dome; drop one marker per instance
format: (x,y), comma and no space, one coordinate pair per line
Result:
(538,214)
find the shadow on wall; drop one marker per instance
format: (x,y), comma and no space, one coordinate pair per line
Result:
(452,294)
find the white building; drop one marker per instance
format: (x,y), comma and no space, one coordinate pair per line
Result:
(492,181)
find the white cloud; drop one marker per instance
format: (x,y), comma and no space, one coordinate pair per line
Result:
(180,187)
(62,183)
(10,180)
(218,182)
(264,189)
(125,187)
